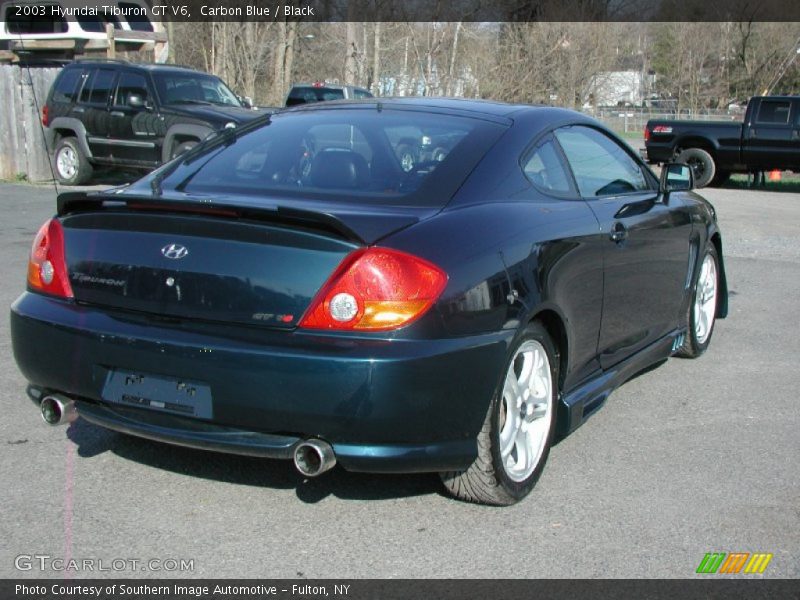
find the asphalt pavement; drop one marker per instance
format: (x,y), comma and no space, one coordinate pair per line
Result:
(692,457)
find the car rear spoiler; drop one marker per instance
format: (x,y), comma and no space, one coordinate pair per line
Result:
(73,202)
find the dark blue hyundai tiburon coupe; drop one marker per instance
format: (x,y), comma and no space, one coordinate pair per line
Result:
(401,285)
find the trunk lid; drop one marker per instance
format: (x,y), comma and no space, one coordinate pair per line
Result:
(208,267)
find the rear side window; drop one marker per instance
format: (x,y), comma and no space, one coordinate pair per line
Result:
(600,165)
(98,88)
(34,18)
(545,169)
(66,87)
(774,111)
(361,94)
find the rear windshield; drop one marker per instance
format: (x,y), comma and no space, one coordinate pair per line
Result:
(385,156)
(304,95)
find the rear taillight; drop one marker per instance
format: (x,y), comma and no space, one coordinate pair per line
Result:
(375,289)
(646,134)
(47,267)
(45,115)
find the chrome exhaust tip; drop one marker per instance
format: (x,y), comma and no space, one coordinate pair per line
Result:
(57,409)
(314,457)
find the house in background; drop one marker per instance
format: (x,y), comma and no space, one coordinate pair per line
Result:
(621,88)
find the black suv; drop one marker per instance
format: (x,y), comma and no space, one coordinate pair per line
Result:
(120,114)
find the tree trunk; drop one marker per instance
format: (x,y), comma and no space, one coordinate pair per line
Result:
(350,65)
(451,70)
(375,79)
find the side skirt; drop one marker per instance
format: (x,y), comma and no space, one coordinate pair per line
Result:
(577,405)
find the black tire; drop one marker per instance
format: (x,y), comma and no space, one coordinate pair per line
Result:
(720,178)
(693,345)
(182,147)
(70,165)
(486,481)
(702,165)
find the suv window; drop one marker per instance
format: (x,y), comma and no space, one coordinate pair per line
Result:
(66,88)
(774,111)
(600,165)
(193,88)
(545,169)
(130,84)
(361,94)
(98,88)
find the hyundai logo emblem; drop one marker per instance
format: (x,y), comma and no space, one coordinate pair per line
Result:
(174,251)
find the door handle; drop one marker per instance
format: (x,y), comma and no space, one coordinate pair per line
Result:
(796,134)
(78,109)
(753,133)
(117,113)
(619,233)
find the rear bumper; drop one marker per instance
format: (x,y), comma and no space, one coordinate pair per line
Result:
(384,405)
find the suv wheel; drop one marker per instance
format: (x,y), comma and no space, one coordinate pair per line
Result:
(70,163)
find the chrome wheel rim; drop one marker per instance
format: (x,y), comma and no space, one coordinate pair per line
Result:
(526,411)
(705,301)
(67,162)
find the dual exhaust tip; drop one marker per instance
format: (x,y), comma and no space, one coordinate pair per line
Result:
(312,457)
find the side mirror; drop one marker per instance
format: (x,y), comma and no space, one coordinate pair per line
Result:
(247,101)
(676,177)
(135,101)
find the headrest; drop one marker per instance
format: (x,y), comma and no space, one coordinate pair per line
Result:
(341,169)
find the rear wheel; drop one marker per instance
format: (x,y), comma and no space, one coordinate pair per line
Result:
(70,163)
(702,164)
(515,439)
(703,309)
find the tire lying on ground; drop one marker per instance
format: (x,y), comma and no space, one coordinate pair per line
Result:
(702,164)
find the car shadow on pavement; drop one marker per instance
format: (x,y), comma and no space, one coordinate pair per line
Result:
(92,440)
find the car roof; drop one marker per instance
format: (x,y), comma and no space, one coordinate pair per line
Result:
(129,65)
(322,84)
(476,107)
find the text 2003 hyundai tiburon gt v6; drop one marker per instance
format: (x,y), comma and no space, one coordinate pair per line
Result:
(288,289)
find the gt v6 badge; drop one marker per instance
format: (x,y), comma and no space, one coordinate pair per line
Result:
(174,251)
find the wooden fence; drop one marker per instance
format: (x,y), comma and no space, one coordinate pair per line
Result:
(23,92)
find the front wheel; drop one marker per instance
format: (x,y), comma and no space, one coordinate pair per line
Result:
(702,312)
(515,439)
